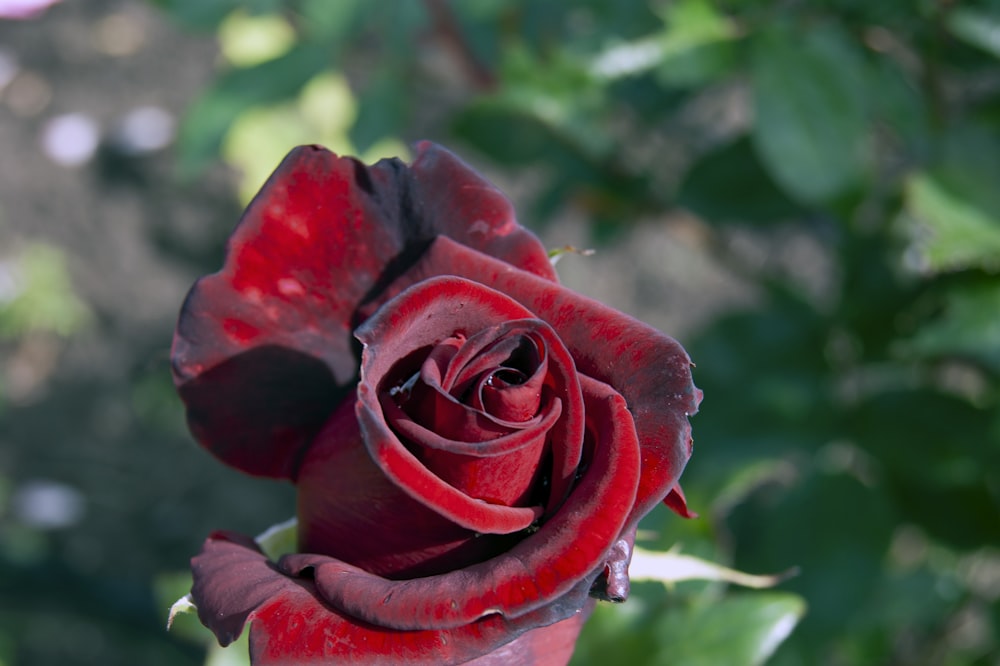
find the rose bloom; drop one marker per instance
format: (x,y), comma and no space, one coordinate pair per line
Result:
(472,443)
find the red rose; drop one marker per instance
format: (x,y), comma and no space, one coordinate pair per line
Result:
(472,472)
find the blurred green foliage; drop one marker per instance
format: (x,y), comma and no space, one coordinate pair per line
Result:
(37,295)
(854,435)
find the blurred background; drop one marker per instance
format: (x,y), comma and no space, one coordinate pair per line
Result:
(806,194)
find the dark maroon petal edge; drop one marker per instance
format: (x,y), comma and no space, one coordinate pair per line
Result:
(651,370)
(574,544)
(290,624)
(263,350)
(420,316)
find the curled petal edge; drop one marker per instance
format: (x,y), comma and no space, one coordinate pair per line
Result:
(573,545)
(651,370)
(475,306)
(290,623)
(263,348)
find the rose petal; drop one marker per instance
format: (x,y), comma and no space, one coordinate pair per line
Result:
(430,397)
(322,236)
(418,318)
(678,503)
(506,470)
(350,509)
(651,370)
(489,458)
(574,544)
(453,200)
(474,372)
(463,426)
(235,583)
(492,444)
(258,410)
(546,646)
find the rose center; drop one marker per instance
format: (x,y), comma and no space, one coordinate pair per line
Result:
(477,412)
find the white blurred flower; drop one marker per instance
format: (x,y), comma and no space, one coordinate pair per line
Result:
(144,129)
(70,139)
(46,504)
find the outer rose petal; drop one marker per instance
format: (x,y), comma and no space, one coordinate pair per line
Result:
(327,609)
(651,370)
(322,236)
(235,583)
(573,545)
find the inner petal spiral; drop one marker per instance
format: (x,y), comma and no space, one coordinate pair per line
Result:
(438,457)
(513,391)
(479,388)
(478,411)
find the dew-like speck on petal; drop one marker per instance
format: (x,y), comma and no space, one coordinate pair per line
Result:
(479,227)
(70,139)
(290,287)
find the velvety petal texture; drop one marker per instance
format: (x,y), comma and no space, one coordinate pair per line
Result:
(650,370)
(320,238)
(513,337)
(472,444)
(291,624)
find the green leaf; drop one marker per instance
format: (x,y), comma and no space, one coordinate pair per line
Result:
(698,45)
(957,224)
(730,185)
(835,528)
(672,567)
(510,138)
(700,630)
(206,14)
(236,653)
(963,516)
(279,539)
(976,27)
(560,92)
(935,452)
(331,22)
(381,109)
(811,123)
(261,136)
(899,105)
(945,441)
(38,294)
(694,48)
(783,385)
(235,92)
(742,629)
(953,207)
(968,328)
(246,40)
